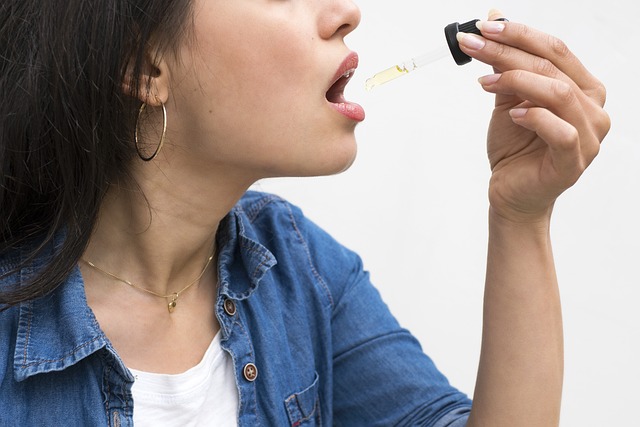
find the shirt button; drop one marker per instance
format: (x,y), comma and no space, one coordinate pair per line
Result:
(250,372)
(229,307)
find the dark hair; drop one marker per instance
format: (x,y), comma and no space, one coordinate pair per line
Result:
(66,125)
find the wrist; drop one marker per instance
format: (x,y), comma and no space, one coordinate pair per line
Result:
(538,223)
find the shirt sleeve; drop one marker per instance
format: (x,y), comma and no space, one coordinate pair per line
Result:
(381,376)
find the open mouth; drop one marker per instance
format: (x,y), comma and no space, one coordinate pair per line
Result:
(335,94)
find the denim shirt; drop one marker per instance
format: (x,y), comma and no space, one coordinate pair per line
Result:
(311,340)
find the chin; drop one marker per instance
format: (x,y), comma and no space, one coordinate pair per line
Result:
(330,160)
(348,163)
(337,162)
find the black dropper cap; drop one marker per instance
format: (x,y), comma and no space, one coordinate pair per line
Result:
(450,32)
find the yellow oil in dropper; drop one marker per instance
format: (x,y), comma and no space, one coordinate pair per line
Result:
(385,76)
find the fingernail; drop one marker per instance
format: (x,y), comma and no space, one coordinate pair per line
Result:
(495,14)
(490,27)
(516,113)
(470,41)
(490,79)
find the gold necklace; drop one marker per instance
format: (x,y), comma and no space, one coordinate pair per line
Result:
(174,296)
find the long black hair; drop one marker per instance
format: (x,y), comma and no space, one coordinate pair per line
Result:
(66,124)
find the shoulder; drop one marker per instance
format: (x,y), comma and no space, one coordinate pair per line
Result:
(10,260)
(264,211)
(297,242)
(9,278)
(31,256)
(267,215)
(270,217)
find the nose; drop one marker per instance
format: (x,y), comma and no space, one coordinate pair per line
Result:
(338,18)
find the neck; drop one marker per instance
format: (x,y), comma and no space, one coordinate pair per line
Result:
(159,234)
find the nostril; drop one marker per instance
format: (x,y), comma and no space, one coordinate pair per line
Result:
(344,28)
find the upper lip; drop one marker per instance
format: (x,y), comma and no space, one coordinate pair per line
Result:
(347,67)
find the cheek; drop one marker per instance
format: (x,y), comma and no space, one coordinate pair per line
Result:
(262,70)
(271,73)
(267,50)
(259,99)
(266,88)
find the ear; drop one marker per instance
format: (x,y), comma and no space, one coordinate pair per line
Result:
(153,78)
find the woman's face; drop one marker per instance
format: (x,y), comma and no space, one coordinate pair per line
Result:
(254,89)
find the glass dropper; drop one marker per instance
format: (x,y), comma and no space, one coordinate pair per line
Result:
(405,67)
(409,65)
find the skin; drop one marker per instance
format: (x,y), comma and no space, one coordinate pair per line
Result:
(546,129)
(221,138)
(248,102)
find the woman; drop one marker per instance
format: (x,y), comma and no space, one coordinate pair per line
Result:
(142,283)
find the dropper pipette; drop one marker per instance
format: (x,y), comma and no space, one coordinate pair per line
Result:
(408,66)
(405,67)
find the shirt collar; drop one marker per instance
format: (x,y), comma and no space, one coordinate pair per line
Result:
(242,260)
(57,330)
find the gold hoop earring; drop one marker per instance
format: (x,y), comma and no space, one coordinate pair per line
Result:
(162,137)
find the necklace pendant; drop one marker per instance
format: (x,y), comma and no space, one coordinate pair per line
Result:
(172,304)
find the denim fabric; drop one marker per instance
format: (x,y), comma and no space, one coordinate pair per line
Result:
(327,350)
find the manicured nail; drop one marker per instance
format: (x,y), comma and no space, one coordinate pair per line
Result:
(490,79)
(516,113)
(495,14)
(490,27)
(470,41)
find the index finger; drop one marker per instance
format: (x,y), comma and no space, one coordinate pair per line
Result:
(543,45)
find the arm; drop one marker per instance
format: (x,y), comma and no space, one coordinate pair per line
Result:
(521,364)
(380,374)
(546,128)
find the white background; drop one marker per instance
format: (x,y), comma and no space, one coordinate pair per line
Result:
(414,204)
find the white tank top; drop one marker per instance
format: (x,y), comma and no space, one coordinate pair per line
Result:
(205,395)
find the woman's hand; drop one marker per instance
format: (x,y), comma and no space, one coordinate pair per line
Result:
(548,120)
(546,129)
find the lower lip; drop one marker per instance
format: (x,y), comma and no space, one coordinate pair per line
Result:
(350,110)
